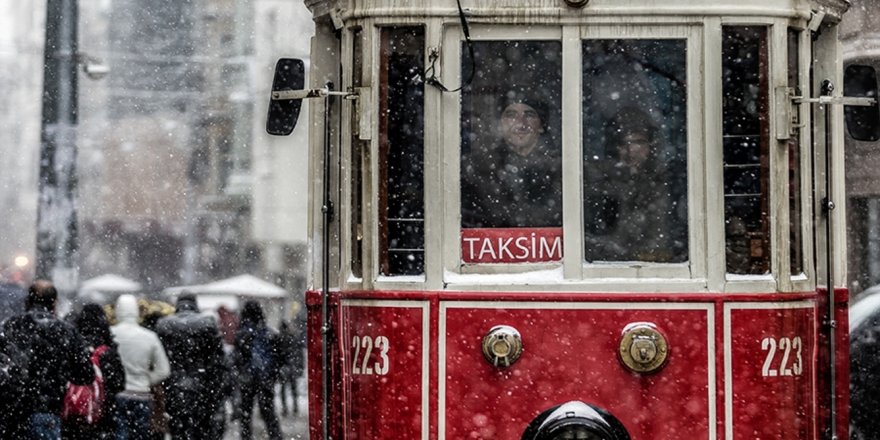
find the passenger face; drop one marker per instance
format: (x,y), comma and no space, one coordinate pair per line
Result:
(635,149)
(521,127)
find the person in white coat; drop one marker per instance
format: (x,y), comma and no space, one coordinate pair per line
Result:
(145,363)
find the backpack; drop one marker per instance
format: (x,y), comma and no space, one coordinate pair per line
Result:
(85,403)
(262,364)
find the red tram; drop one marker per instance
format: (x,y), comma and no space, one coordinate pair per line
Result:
(574,219)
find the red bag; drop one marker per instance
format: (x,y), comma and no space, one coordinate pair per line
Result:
(85,403)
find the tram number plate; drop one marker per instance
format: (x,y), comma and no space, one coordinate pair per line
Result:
(784,357)
(370,355)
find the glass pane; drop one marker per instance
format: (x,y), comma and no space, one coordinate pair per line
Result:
(746,144)
(401,152)
(357,147)
(635,150)
(510,125)
(511,164)
(794,161)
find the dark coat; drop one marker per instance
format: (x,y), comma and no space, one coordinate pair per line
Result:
(244,343)
(628,216)
(95,329)
(57,355)
(501,189)
(195,352)
(865,379)
(291,346)
(253,324)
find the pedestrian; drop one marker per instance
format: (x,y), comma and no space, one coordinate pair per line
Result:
(286,379)
(197,388)
(257,362)
(56,354)
(92,324)
(146,364)
(516,180)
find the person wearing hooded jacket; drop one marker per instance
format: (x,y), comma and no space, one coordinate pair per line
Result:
(198,383)
(146,364)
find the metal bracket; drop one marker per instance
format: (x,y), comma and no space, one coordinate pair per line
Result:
(286,95)
(365,113)
(816,20)
(836,100)
(785,125)
(787,119)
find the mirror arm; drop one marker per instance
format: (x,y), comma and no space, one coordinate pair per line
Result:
(287,95)
(845,100)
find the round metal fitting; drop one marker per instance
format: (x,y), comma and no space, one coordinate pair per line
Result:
(643,348)
(502,346)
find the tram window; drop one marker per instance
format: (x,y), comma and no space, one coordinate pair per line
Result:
(511,178)
(635,150)
(746,137)
(401,151)
(796,245)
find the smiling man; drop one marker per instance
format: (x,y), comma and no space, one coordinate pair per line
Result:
(515,182)
(521,127)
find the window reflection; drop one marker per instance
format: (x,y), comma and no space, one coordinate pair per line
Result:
(635,150)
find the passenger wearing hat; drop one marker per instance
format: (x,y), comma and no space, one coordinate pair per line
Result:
(516,181)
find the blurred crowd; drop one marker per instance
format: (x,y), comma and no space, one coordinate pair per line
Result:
(141,369)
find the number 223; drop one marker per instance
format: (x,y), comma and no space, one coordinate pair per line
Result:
(361,362)
(788,365)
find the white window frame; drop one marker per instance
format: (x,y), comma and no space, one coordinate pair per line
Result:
(573,272)
(613,271)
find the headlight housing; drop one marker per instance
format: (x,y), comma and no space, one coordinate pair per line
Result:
(575,420)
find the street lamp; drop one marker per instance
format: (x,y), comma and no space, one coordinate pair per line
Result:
(21,261)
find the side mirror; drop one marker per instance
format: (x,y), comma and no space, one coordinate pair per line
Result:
(862,122)
(283,113)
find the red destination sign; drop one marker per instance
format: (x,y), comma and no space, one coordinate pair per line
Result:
(511,245)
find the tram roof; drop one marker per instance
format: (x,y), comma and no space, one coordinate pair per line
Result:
(541,10)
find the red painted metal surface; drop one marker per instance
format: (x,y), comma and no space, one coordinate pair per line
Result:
(572,355)
(772,370)
(385,382)
(716,383)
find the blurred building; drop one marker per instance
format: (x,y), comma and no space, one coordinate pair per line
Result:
(179,183)
(21,70)
(183,184)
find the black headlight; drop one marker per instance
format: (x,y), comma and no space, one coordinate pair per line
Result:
(575,420)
